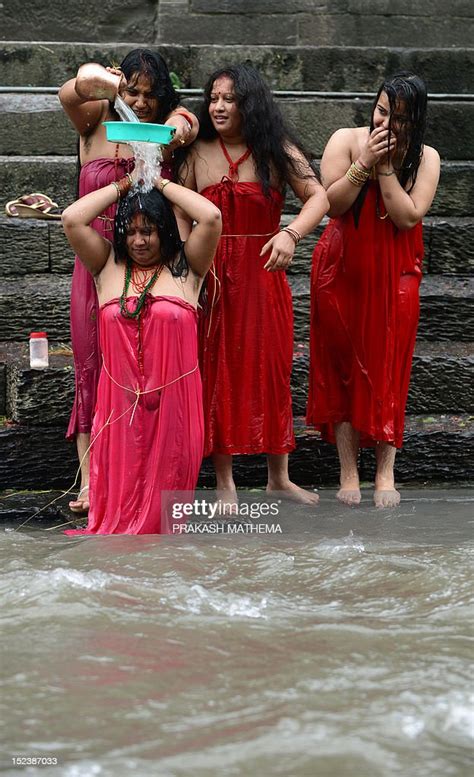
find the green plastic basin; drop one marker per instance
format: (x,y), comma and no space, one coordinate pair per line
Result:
(140,132)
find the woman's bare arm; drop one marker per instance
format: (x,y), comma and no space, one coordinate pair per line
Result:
(92,249)
(341,151)
(315,204)
(408,208)
(201,244)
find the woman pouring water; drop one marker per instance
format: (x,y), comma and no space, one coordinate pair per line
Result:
(144,83)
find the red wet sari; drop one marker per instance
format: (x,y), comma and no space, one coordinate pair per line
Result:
(246,336)
(364,316)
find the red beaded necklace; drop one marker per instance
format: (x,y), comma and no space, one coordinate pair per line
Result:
(141,276)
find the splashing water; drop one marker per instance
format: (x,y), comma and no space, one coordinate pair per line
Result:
(124,111)
(148,159)
(148,156)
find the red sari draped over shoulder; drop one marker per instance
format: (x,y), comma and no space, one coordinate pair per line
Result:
(84,304)
(154,444)
(364,316)
(246,337)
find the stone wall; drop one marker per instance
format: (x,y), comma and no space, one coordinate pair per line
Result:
(434,23)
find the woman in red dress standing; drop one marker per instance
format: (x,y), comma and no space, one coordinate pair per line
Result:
(380,181)
(242,161)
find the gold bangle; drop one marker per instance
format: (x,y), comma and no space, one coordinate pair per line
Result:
(164,182)
(356,176)
(358,172)
(117,188)
(124,185)
(392,172)
(293,233)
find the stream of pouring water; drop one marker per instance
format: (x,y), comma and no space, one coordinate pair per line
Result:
(148,156)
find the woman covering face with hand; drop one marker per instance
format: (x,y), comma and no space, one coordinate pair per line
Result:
(380,181)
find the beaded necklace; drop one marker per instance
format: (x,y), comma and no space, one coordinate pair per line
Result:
(138,276)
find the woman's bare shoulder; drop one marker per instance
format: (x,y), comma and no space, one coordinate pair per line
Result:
(430,155)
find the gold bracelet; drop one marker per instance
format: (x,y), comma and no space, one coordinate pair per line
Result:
(293,233)
(358,172)
(164,182)
(124,185)
(356,176)
(392,172)
(117,188)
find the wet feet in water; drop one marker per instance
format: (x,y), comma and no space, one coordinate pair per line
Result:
(386,497)
(349,496)
(294,493)
(227,503)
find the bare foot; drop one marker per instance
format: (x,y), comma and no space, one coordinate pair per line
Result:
(227,502)
(80,506)
(387,497)
(349,496)
(295,494)
(349,492)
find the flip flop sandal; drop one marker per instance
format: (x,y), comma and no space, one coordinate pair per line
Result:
(33,206)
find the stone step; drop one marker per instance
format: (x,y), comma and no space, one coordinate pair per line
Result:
(35,124)
(56,176)
(308,68)
(446,308)
(437,449)
(37,397)
(33,246)
(441,381)
(41,302)
(273,24)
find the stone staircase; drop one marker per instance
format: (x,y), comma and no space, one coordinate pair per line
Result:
(322,86)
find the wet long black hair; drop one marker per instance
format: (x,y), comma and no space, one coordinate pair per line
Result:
(263,126)
(409,90)
(156,210)
(152,65)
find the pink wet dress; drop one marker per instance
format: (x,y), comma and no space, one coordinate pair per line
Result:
(84,304)
(154,444)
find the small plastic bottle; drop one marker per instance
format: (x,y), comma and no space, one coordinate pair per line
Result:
(39,351)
